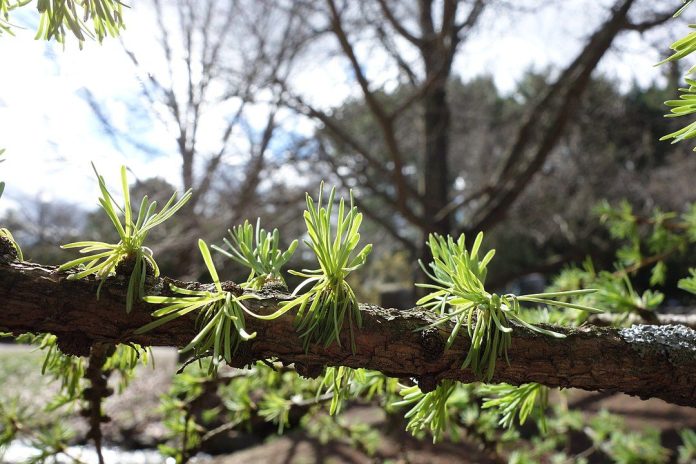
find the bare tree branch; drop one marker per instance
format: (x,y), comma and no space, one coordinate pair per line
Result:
(398,27)
(656,20)
(384,222)
(407,212)
(389,46)
(345,137)
(545,123)
(472,18)
(376,108)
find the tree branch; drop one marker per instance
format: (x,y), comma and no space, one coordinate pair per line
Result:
(390,47)
(546,122)
(343,136)
(647,361)
(383,120)
(398,27)
(472,18)
(384,222)
(647,24)
(363,179)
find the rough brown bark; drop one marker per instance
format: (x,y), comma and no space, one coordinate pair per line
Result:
(647,361)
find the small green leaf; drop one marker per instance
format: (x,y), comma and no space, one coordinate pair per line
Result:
(104,258)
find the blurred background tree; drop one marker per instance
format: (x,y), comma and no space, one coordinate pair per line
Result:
(424,148)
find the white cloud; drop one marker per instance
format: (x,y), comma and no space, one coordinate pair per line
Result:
(51,134)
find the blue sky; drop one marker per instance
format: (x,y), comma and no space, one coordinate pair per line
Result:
(51,134)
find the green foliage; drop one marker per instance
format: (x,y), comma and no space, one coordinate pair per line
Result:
(2,184)
(187,424)
(58,17)
(105,258)
(274,393)
(686,104)
(610,441)
(341,384)
(689,218)
(453,408)
(358,435)
(323,309)
(51,443)
(458,294)
(40,421)
(682,47)
(615,292)
(687,451)
(5,233)
(219,312)
(647,240)
(9,425)
(258,250)
(337,381)
(25,417)
(429,412)
(5,8)
(175,405)
(276,409)
(553,446)
(609,435)
(689,283)
(125,359)
(644,243)
(523,401)
(70,370)
(684,7)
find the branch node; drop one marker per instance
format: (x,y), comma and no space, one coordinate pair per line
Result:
(276,286)
(309,371)
(74,344)
(427,383)
(432,343)
(8,252)
(232,288)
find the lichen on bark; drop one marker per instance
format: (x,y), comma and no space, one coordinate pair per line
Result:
(677,342)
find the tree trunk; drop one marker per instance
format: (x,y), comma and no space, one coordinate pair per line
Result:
(435,170)
(436,163)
